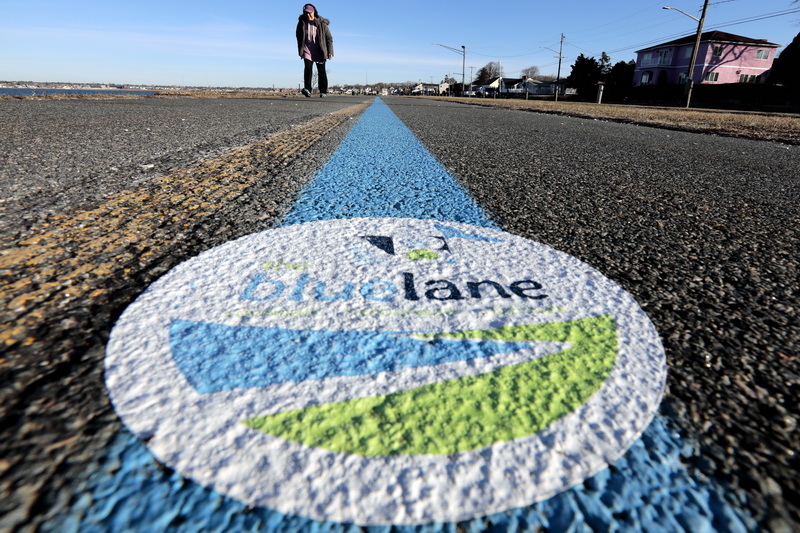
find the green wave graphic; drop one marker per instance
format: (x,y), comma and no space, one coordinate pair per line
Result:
(466,413)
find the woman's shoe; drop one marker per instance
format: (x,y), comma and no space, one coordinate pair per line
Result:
(306,93)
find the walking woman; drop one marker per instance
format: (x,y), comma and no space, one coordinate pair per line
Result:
(315,45)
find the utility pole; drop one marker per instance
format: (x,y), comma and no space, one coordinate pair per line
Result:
(471,79)
(560,57)
(687,97)
(690,84)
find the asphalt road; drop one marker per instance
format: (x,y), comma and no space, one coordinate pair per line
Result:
(701,230)
(102,197)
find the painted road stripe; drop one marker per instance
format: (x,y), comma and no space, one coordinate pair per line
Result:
(75,255)
(381,170)
(647,488)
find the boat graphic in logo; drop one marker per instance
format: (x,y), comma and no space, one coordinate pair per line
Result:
(363,370)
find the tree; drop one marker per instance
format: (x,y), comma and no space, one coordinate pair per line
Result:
(531,72)
(605,65)
(488,72)
(786,68)
(586,72)
(621,75)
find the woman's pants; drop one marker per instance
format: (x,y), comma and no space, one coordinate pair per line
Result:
(321,74)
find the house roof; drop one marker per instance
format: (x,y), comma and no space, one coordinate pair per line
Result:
(716,37)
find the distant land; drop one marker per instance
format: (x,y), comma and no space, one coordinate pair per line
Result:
(117,86)
(58,86)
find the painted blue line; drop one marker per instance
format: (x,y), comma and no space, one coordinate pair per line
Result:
(382,170)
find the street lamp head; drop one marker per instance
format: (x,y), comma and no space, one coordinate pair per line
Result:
(682,12)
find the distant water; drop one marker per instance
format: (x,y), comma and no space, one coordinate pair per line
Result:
(31,92)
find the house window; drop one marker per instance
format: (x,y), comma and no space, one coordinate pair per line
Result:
(718,51)
(748,78)
(762,54)
(712,76)
(663,57)
(687,52)
(646,77)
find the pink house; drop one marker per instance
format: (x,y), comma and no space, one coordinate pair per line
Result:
(721,58)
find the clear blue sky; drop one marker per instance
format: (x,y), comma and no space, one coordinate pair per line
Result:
(251,43)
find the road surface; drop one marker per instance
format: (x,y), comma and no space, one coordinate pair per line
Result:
(101,198)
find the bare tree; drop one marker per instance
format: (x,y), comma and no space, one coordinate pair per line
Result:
(488,72)
(531,72)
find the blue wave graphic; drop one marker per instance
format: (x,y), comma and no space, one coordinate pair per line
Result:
(217,357)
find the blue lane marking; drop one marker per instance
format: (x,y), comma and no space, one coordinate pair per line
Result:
(647,489)
(382,170)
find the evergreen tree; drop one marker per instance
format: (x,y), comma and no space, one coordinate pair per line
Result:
(786,68)
(605,65)
(621,75)
(586,72)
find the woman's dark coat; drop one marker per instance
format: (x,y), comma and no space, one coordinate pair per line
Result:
(323,35)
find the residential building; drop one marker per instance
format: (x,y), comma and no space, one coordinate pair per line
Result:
(518,87)
(431,89)
(721,58)
(527,85)
(493,86)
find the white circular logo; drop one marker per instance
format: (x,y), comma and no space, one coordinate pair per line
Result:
(385,371)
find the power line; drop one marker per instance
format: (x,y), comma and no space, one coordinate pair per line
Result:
(710,28)
(659,40)
(594,29)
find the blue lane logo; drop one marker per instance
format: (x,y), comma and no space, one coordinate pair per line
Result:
(365,370)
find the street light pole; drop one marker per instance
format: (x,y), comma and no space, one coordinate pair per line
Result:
(463,53)
(463,66)
(700,21)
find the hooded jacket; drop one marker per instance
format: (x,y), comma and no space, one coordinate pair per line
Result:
(323,34)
